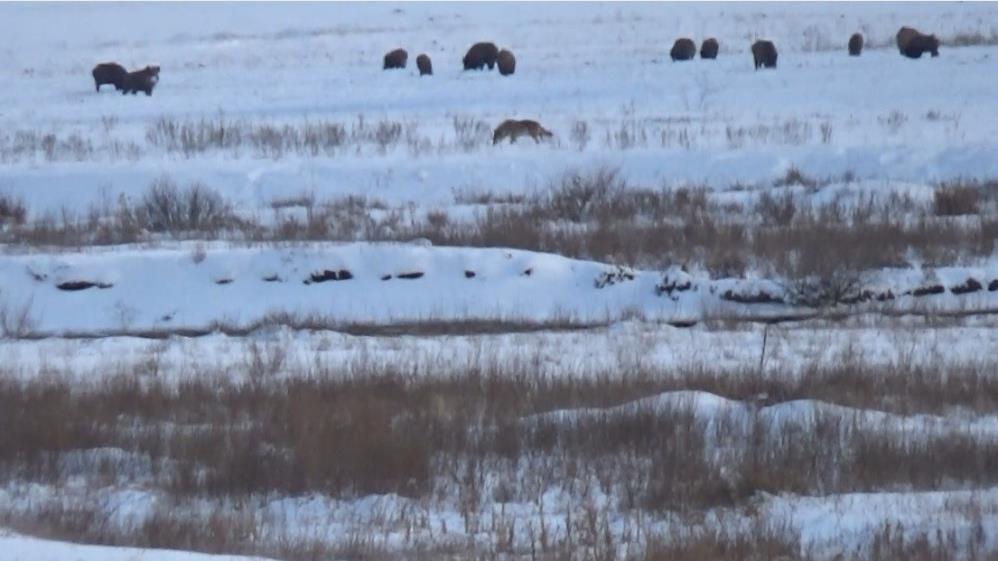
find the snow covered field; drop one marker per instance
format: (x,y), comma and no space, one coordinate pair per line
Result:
(296,306)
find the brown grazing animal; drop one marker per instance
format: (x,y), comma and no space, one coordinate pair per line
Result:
(855,44)
(919,44)
(764,54)
(506,62)
(481,55)
(683,49)
(904,35)
(109,73)
(140,81)
(396,59)
(709,49)
(514,129)
(424,65)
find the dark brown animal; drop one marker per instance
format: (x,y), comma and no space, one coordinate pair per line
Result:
(683,49)
(920,44)
(514,129)
(855,44)
(109,73)
(396,59)
(764,54)
(709,49)
(424,65)
(506,62)
(904,35)
(140,81)
(481,55)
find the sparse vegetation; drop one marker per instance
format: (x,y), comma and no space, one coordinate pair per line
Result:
(472,440)
(587,214)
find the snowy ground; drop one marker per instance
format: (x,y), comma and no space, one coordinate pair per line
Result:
(272,104)
(717,122)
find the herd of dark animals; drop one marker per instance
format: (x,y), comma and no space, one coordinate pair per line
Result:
(910,42)
(479,56)
(124,81)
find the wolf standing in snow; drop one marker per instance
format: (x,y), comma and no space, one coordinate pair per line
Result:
(514,129)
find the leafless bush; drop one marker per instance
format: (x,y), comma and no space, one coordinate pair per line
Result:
(165,208)
(757,544)
(12,211)
(16,321)
(794,176)
(574,197)
(893,121)
(471,133)
(580,134)
(970,39)
(837,286)
(956,199)
(778,210)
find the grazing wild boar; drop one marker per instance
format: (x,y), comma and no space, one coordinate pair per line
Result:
(109,73)
(481,55)
(918,43)
(140,81)
(709,49)
(855,44)
(514,129)
(424,65)
(683,49)
(764,54)
(396,59)
(506,62)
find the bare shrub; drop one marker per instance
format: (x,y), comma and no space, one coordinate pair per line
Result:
(580,134)
(12,211)
(574,197)
(956,199)
(778,210)
(756,544)
(471,133)
(795,176)
(17,321)
(166,208)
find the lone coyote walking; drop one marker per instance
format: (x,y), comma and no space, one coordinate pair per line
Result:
(514,129)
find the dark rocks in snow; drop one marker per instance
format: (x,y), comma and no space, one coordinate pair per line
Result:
(410,276)
(529,271)
(73,286)
(928,290)
(328,275)
(885,296)
(617,275)
(386,277)
(759,297)
(993,285)
(271,278)
(223,281)
(970,285)
(676,279)
(469,274)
